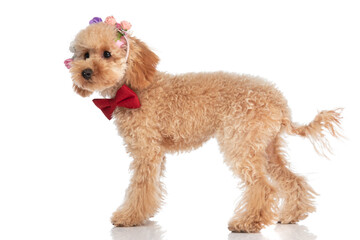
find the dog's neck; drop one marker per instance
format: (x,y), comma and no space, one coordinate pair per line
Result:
(111,91)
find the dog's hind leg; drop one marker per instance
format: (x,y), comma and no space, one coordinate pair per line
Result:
(245,153)
(145,193)
(296,193)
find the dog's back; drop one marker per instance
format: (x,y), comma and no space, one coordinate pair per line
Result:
(188,109)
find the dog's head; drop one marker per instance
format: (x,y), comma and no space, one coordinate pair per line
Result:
(100,61)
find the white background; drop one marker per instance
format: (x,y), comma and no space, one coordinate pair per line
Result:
(64,170)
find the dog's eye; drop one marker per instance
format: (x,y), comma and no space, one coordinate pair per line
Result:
(86,55)
(107,54)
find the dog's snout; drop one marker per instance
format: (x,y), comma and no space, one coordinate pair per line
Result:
(87,73)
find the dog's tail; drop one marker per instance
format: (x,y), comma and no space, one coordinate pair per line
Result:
(325,120)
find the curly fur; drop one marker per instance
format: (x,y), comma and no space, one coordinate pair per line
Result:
(246,114)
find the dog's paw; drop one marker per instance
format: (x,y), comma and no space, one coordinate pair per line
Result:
(286,222)
(292,218)
(245,227)
(123,219)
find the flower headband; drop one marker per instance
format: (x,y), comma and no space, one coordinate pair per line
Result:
(121,38)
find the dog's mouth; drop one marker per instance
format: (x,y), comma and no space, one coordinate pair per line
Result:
(97,82)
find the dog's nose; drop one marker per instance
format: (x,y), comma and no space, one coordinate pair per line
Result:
(87,73)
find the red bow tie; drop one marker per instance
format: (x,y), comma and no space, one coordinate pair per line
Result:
(125,97)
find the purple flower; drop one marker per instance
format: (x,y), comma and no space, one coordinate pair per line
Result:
(95,20)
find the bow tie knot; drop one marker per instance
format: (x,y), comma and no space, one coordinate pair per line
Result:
(125,97)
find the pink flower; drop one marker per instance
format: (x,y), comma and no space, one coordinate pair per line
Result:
(110,20)
(119,43)
(123,39)
(125,25)
(67,63)
(117,25)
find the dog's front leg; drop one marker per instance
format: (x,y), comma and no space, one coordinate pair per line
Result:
(144,194)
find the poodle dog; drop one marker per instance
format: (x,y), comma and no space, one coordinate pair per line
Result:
(158,113)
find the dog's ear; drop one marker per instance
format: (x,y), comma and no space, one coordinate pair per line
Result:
(141,65)
(81,92)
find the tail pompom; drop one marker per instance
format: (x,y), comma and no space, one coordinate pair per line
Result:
(324,120)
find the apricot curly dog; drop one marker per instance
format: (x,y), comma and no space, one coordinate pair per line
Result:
(158,113)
